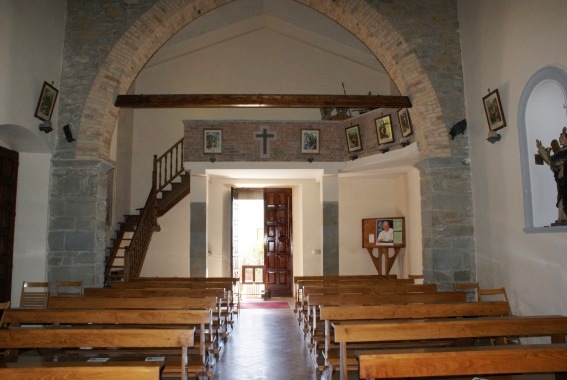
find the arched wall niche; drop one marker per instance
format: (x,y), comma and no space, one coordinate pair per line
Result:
(542,114)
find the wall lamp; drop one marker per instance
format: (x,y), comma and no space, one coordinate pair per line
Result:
(310,159)
(68,133)
(405,143)
(45,126)
(385,150)
(212,159)
(493,136)
(354,157)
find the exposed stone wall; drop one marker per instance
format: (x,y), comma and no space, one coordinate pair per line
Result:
(77,221)
(108,42)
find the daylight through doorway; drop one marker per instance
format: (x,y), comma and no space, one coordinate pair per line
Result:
(248,240)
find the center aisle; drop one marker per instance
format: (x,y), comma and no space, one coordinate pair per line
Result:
(265,344)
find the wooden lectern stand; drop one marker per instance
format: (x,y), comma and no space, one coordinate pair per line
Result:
(387,252)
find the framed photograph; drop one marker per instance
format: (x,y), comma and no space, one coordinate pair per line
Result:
(46,102)
(212,141)
(384,130)
(405,122)
(310,141)
(493,110)
(354,142)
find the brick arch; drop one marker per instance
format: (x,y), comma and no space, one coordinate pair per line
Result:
(167,17)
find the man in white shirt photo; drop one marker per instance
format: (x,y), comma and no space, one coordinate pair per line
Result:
(387,234)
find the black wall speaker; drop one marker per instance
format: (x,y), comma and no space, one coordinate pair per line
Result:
(68,133)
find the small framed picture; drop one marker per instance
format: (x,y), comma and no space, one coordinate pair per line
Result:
(405,122)
(493,110)
(354,141)
(384,130)
(46,102)
(310,141)
(212,141)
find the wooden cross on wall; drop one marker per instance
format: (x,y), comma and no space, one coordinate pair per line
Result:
(265,146)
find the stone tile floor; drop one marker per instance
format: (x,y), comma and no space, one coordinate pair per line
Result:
(265,344)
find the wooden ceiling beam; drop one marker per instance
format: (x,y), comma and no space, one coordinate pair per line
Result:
(261,101)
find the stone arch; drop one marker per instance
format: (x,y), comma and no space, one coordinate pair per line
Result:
(167,17)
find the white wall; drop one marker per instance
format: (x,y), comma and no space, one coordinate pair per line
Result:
(360,199)
(31,37)
(247,57)
(504,42)
(30,235)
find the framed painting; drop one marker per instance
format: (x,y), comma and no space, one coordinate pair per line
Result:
(405,122)
(493,110)
(310,141)
(354,142)
(212,141)
(46,102)
(384,130)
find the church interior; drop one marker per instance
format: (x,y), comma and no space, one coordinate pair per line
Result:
(116,113)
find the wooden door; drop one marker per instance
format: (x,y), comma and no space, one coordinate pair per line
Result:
(277,241)
(8,189)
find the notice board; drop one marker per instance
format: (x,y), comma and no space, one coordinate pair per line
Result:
(372,227)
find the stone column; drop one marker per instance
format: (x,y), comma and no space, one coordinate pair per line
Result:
(330,238)
(198,225)
(447,220)
(77,221)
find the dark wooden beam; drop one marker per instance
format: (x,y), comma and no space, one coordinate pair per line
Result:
(261,101)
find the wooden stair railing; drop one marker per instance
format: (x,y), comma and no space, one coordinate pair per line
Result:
(165,193)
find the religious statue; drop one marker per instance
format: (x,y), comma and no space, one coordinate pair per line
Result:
(556,157)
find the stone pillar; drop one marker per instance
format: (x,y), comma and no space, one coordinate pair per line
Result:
(198,225)
(77,221)
(330,238)
(447,220)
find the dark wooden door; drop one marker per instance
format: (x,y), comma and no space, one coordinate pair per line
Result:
(277,241)
(8,190)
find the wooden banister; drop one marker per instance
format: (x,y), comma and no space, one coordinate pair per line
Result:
(168,166)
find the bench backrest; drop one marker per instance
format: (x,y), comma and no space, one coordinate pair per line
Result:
(392,298)
(296,279)
(170,285)
(413,311)
(92,371)
(232,280)
(553,326)
(107,316)
(117,292)
(94,337)
(132,303)
(367,289)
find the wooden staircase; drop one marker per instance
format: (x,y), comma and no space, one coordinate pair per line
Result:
(170,184)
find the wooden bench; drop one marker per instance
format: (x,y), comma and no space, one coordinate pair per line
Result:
(408,331)
(315,301)
(216,330)
(461,361)
(92,371)
(366,289)
(302,284)
(18,338)
(118,292)
(113,317)
(299,280)
(357,314)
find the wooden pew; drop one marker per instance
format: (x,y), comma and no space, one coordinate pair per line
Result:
(113,317)
(462,361)
(554,327)
(368,289)
(132,303)
(92,371)
(299,279)
(357,314)
(17,338)
(331,283)
(207,303)
(315,301)
(118,292)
